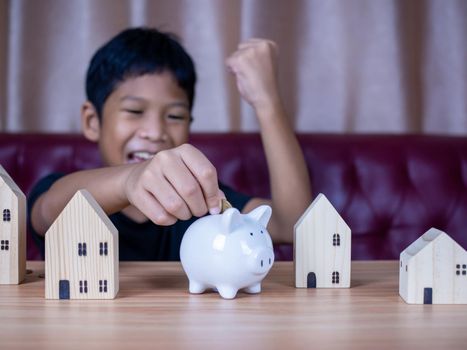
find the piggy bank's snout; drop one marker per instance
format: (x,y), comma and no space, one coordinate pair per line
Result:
(262,260)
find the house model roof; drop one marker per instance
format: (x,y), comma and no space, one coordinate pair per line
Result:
(78,209)
(426,240)
(320,203)
(9,182)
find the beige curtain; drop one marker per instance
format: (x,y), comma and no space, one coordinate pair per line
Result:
(345,66)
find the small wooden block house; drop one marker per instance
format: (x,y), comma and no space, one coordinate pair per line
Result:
(322,242)
(433,270)
(12,231)
(81,252)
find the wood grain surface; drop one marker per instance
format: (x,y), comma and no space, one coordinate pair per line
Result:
(154,310)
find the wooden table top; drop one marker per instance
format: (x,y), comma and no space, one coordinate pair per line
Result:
(154,310)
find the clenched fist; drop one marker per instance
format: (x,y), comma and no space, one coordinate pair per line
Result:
(176,184)
(254,66)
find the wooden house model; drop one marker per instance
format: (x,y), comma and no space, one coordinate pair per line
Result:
(81,252)
(322,242)
(433,270)
(12,231)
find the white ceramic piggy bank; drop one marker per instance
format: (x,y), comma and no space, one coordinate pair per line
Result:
(228,252)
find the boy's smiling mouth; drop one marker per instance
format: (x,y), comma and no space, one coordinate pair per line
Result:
(139,156)
(138,152)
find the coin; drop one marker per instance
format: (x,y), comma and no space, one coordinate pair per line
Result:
(225,205)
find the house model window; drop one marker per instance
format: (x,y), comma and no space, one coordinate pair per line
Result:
(4,244)
(335,277)
(82,250)
(103,248)
(102,286)
(336,240)
(83,286)
(6,215)
(459,271)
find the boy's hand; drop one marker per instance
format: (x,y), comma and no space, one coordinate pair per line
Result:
(254,66)
(176,184)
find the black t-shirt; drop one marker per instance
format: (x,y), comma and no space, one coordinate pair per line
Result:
(138,241)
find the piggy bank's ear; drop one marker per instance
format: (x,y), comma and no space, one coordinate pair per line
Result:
(231,219)
(262,214)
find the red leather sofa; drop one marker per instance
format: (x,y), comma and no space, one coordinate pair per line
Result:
(389,188)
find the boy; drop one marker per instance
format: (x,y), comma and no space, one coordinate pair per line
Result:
(140,90)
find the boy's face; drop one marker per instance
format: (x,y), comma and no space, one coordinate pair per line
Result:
(141,117)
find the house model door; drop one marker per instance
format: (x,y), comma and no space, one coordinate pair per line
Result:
(311,280)
(428,296)
(64,289)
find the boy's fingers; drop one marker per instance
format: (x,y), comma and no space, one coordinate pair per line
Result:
(186,186)
(169,199)
(231,64)
(257,42)
(153,210)
(205,173)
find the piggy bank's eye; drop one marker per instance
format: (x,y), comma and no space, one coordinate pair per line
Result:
(262,231)
(251,233)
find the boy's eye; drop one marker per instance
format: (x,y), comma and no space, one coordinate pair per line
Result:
(176,117)
(134,111)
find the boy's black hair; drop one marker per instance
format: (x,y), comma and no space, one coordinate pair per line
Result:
(135,52)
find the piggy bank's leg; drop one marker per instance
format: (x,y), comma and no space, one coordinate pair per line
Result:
(196,287)
(253,289)
(227,292)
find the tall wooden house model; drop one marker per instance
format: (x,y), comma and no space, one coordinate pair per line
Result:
(322,242)
(81,252)
(12,231)
(433,270)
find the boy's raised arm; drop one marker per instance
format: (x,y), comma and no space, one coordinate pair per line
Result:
(254,66)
